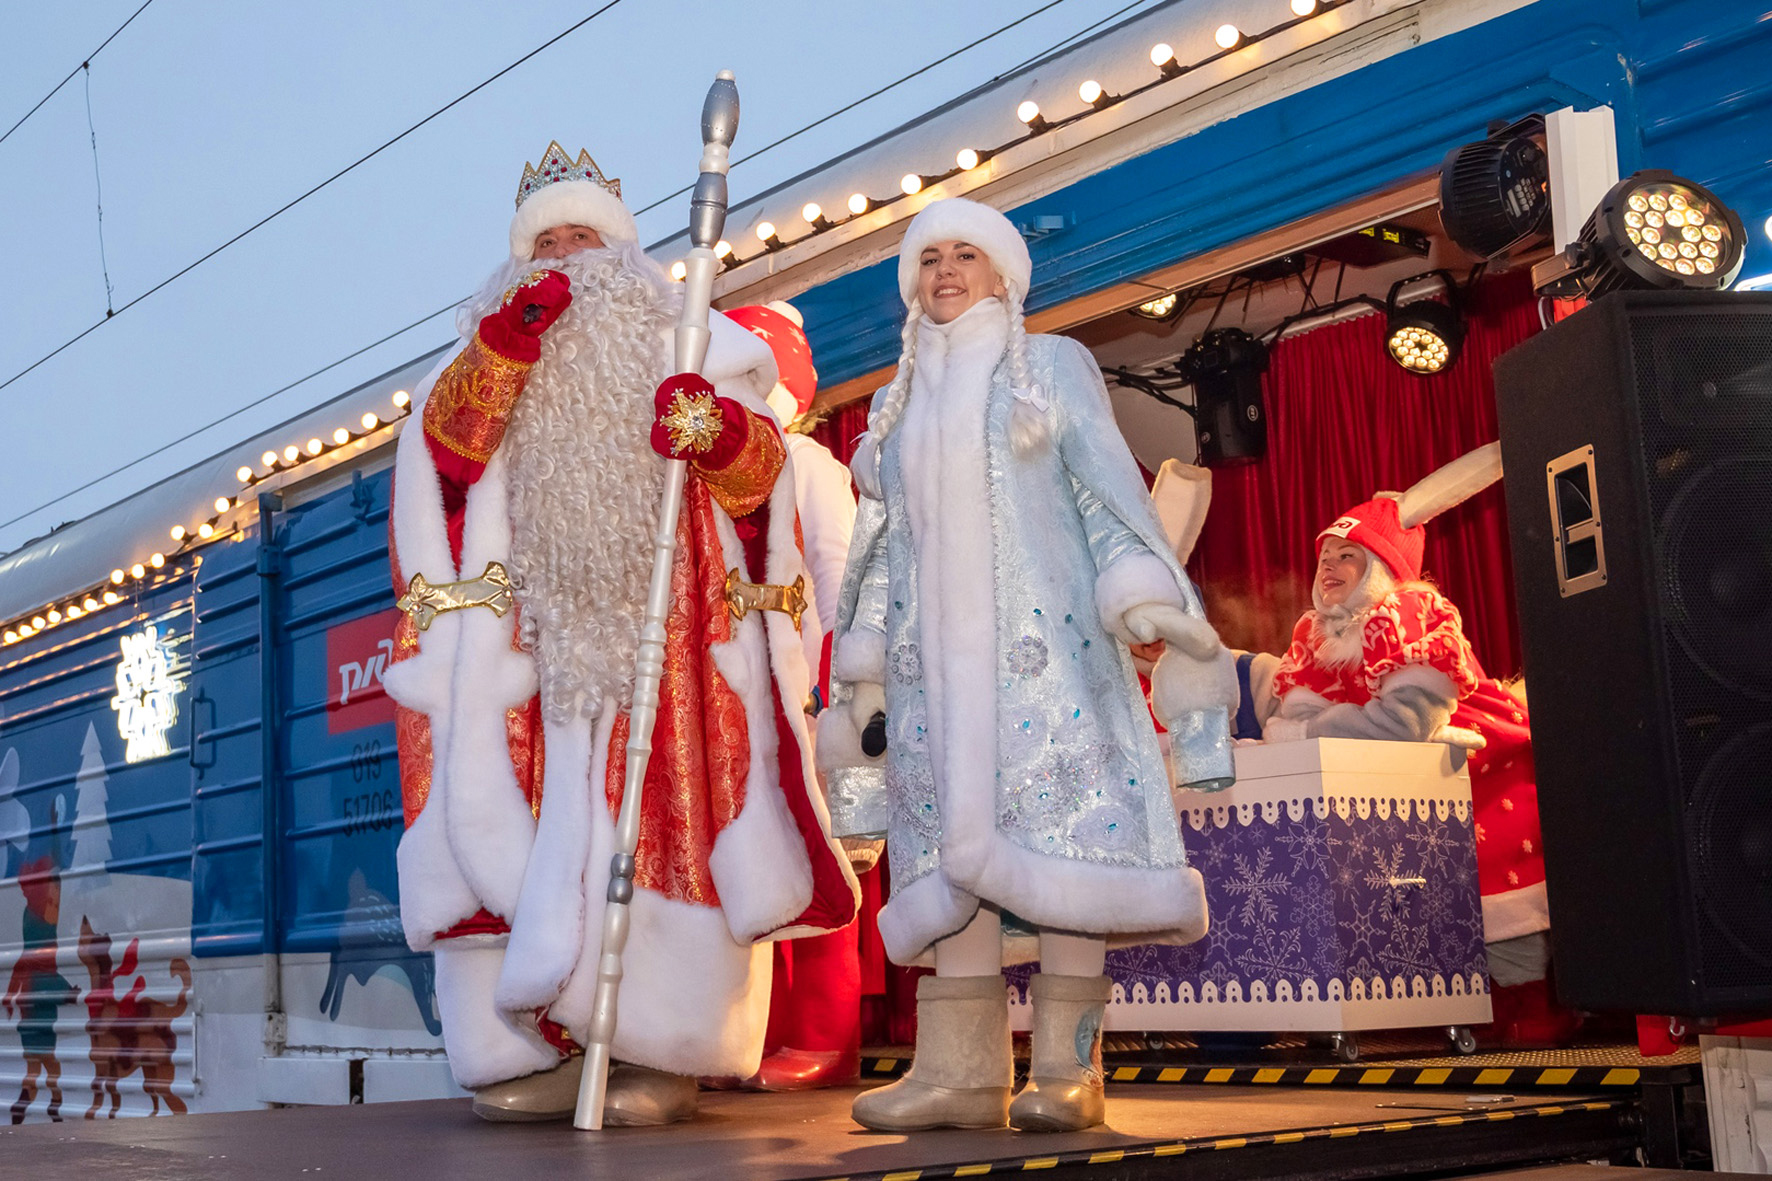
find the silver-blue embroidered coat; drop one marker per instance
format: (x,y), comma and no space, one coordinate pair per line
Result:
(1022,767)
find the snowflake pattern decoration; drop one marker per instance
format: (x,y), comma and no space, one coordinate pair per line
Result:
(693,422)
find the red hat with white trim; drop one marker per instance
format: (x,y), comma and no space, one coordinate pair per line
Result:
(778,325)
(1390,524)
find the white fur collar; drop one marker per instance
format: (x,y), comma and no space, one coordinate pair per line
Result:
(979,334)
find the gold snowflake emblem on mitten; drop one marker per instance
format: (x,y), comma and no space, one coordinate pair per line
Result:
(694,422)
(511,291)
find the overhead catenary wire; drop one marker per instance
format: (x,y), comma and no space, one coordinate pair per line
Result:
(287,206)
(234,413)
(56,89)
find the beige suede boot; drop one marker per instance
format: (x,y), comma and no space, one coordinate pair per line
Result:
(640,1097)
(1064,1092)
(961,1074)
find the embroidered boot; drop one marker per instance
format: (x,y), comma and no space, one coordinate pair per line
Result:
(961,1074)
(1064,1091)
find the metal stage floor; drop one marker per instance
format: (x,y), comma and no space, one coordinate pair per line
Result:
(1171,1130)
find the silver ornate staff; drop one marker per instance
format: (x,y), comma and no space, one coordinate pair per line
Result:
(707,220)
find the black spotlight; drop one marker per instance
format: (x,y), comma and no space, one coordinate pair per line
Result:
(1424,335)
(1652,230)
(1495,194)
(1225,367)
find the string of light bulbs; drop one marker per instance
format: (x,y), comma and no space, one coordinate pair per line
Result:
(1229,38)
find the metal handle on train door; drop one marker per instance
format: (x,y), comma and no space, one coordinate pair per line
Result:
(198,698)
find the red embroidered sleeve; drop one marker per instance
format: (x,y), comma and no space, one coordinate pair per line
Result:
(1295,666)
(742,484)
(1418,626)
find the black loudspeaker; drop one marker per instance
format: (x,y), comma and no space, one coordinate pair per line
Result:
(1637,440)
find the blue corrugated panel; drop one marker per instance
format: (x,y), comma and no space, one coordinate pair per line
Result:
(1686,79)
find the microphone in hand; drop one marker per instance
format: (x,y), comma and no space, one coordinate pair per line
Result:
(873,736)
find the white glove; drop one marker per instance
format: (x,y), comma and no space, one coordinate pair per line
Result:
(1148,621)
(1280,729)
(868,699)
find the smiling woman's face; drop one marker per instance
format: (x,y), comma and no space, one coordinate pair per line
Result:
(1340,566)
(951,277)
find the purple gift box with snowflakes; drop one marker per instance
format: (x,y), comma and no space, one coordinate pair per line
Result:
(1341,883)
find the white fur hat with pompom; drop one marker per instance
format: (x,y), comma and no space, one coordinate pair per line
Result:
(955,219)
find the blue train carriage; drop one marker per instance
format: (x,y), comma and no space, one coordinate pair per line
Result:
(185,673)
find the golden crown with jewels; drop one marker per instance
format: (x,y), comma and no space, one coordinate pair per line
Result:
(556,165)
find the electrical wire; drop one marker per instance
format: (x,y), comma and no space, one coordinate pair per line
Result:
(234,413)
(865,98)
(268,218)
(57,87)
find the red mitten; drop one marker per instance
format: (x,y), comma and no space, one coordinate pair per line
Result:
(693,424)
(530,309)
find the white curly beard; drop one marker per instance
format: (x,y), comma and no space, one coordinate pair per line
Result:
(584,481)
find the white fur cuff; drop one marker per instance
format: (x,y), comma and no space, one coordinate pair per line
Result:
(1180,684)
(1135,579)
(839,742)
(860,655)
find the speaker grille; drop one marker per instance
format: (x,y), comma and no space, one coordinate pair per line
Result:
(1730,840)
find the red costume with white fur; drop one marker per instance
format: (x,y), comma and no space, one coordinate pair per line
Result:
(510,815)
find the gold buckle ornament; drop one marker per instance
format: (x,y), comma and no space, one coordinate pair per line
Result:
(425,600)
(744,597)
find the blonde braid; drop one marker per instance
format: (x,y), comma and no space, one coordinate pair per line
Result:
(886,415)
(1029,432)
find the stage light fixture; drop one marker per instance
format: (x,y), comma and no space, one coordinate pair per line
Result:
(1158,308)
(1424,335)
(1652,230)
(1224,366)
(1495,194)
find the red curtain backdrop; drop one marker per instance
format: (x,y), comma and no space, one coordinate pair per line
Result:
(1345,422)
(845,424)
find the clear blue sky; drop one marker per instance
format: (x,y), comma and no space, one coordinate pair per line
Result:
(210,115)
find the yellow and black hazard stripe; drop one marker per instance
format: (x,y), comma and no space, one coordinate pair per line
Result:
(1460,1077)
(1141,1152)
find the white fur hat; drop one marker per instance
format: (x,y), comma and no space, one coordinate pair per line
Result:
(955,219)
(561,191)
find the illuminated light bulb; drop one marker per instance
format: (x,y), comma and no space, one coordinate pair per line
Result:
(1303,7)
(11,636)
(315,446)
(206,531)
(967,159)
(244,475)
(117,577)
(1089,91)
(112,598)
(38,623)
(138,571)
(765,231)
(54,616)
(1767,227)
(402,399)
(679,270)
(812,212)
(1163,57)
(1228,36)
(157,561)
(223,504)
(1028,111)
(91,604)
(74,611)
(341,436)
(858,203)
(722,249)
(370,421)
(291,453)
(177,532)
(269,459)
(910,184)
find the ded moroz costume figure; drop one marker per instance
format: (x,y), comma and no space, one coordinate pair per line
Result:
(522,524)
(1005,554)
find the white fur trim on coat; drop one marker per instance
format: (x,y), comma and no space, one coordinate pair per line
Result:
(571,203)
(954,219)
(1133,580)
(1525,911)
(485,1046)
(860,655)
(1181,684)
